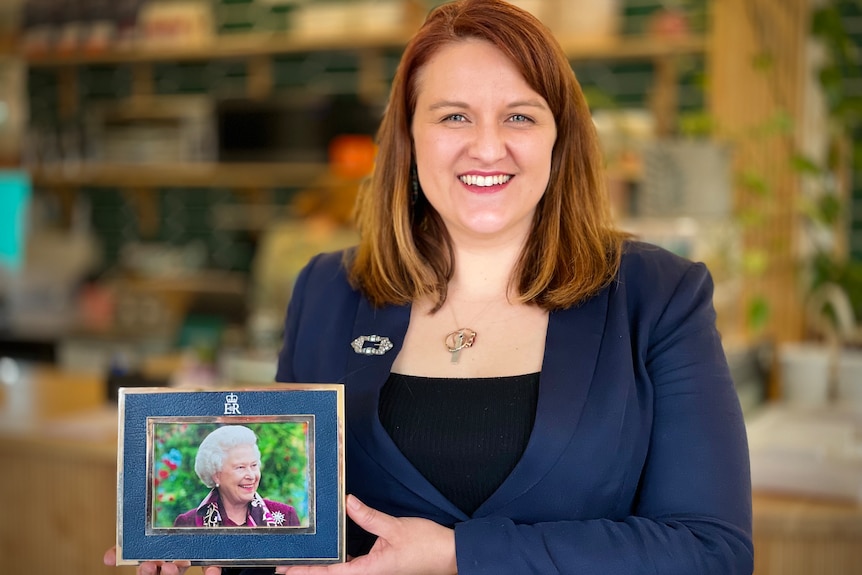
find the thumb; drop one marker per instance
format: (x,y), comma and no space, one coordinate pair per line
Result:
(369,519)
(110,557)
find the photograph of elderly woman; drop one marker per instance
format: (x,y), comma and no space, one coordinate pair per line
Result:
(207,474)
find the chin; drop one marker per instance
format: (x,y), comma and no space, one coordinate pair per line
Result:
(496,223)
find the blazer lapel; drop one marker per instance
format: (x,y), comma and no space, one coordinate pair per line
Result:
(571,353)
(366,376)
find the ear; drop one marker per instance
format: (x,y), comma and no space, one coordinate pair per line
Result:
(217,478)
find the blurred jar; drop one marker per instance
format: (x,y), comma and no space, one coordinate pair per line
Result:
(10,22)
(12,110)
(585,21)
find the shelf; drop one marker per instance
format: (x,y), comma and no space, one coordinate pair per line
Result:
(222,48)
(259,47)
(249,46)
(634,48)
(204,175)
(211,175)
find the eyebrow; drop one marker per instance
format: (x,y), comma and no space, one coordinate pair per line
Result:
(534,103)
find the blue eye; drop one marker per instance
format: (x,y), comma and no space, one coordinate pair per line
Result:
(455,118)
(520,118)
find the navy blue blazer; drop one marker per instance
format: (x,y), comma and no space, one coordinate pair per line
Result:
(638,459)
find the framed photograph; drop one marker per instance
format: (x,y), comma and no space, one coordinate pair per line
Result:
(233,477)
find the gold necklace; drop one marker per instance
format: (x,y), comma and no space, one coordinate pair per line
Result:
(463,337)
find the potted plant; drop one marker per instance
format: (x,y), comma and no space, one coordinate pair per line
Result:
(833,278)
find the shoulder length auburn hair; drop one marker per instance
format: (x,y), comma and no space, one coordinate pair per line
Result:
(405,251)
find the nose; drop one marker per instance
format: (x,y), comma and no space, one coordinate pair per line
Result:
(488,143)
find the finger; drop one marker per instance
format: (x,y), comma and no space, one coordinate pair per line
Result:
(148,568)
(175,568)
(110,557)
(212,570)
(334,569)
(371,520)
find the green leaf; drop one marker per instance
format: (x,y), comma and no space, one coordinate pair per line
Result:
(857,157)
(763,62)
(755,183)
(805,165)
(749,218)
(599,99)
(831,77)
(758,313)
(755,262)
(696,124)
(829,209)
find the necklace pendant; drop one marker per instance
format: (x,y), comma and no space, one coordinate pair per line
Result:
(459,345)
(458,340)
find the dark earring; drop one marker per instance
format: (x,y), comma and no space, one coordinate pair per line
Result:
(414,181)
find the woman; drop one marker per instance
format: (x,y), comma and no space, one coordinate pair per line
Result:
(527,390)
(556,398)
(228,462)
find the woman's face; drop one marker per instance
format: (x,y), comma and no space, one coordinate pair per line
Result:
(239,475)
(483,140)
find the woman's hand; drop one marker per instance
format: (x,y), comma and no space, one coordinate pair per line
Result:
(405,546)
(158,567)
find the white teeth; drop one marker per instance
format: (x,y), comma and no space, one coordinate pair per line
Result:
(485,181)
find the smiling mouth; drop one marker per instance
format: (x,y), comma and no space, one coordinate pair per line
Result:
(485,181)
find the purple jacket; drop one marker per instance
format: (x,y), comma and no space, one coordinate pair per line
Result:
(261,513)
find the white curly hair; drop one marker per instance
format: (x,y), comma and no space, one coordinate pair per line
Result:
(213,450)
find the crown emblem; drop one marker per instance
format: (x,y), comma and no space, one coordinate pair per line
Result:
(231,404)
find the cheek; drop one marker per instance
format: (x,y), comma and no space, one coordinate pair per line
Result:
(435,161)
(433,149)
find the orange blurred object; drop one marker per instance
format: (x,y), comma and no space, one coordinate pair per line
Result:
(352,155)
(669,23)
(97,305)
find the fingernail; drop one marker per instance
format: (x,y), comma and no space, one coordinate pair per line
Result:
(352,502)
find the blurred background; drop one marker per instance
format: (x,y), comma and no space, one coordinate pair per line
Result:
(167,166)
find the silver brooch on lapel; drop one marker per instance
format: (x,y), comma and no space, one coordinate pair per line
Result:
(377,344)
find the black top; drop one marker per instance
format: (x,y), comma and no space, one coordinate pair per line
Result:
(464,435)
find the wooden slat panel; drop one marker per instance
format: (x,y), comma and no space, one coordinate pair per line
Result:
(798,536)
(807,556)
(61,513)
(757,70)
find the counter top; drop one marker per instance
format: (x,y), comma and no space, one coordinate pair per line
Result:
(59,434)
(47,414)
(44,406)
